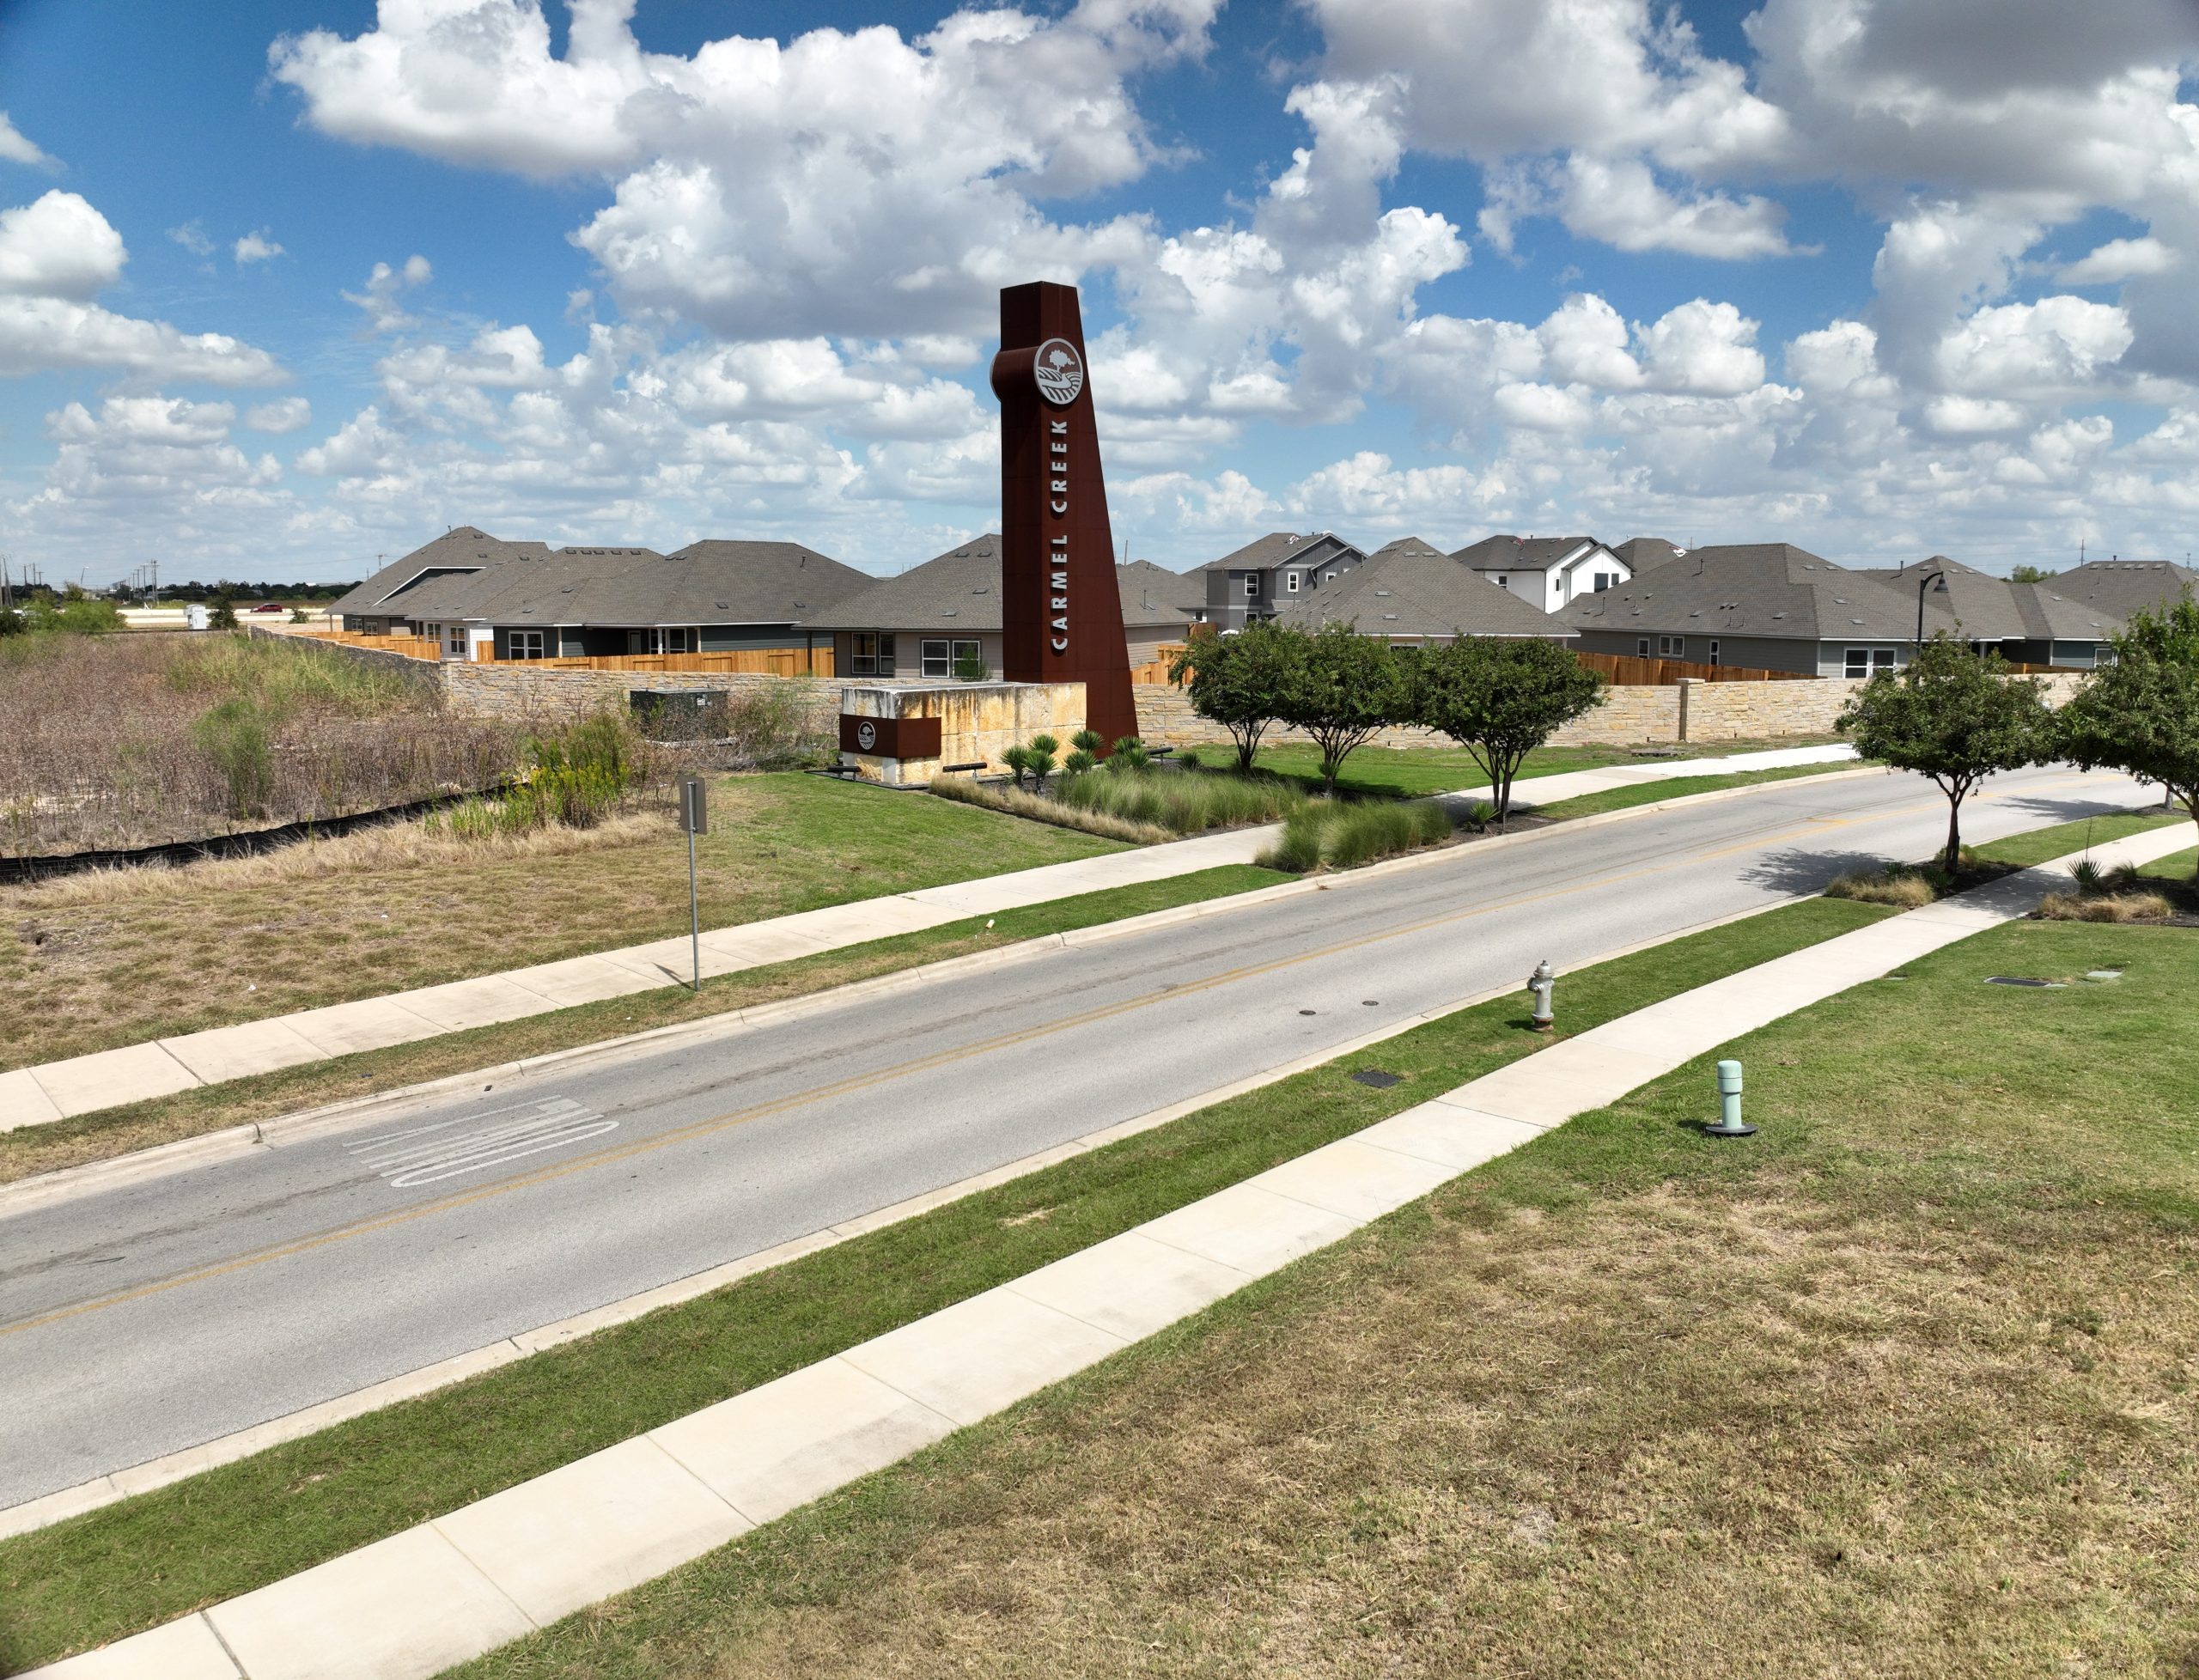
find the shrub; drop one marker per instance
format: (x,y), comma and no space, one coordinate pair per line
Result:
(1016,803)
(2105,907)
(235,735)
(1129,754)
(1079,761)
(970,666)
(298,616)
(1088,740)
(224,616)
(2088,875)
(1190,758)
(1344,836)
(1182,803)
(1018,760)
(579,775)
(1896,884)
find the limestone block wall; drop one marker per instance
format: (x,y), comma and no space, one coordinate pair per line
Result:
(517,690)
(978,722)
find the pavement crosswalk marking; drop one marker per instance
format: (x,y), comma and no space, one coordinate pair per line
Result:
(427,1154)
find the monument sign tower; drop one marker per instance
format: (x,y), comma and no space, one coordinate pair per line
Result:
(1061,610)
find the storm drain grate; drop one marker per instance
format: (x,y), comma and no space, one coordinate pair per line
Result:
(2020,980)
(1377,1078)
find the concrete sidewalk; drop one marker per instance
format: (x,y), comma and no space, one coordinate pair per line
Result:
(450,1589)
(104,1079)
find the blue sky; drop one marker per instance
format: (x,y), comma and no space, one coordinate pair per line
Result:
(1442,267)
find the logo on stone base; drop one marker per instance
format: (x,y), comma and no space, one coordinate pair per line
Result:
(867,735)
(1060,372)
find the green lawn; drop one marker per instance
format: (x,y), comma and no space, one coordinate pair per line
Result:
(2038,844)
(1905,1386)
(89,963)
(159,1555)
(1416,772)
(1678,787)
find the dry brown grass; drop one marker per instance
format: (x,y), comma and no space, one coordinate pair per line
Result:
(1907,889)
(90,962)
(2105,907)
(106,742)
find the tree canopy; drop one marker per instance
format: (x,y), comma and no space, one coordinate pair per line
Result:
(1955,717)
(1343,688)
(1501,698)
(2140,714)
(1239,681)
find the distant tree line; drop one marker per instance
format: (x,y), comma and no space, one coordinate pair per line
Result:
(194,590)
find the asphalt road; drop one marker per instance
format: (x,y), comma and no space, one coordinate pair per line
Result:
(150,1317)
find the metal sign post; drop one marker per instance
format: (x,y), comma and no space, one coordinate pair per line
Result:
(694,819)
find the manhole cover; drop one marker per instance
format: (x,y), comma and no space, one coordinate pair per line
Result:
(2018,980)
(1377,1078)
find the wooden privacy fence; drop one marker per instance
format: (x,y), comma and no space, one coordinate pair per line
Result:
(1155,670)
(736,661)
(1632,670)
(412,647)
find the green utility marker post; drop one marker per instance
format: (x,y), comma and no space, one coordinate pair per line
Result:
(694,819)
(1729,1104)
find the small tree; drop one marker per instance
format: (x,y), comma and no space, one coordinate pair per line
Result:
(1239,681)
(1344,690)
(1955,717)
(2142,713)
(1501,698)
(969,666)
(224,616)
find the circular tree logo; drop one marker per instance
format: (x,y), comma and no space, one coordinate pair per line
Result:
(866,736)
(1061,372)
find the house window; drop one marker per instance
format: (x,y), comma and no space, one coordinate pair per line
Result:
(455,641)
(1503,582)
(1604,581)
(1713,659)
(865,660)
(673,641)
(943,658)
(1867,661)
(1671,646)
(1290,582)
(524,644)
(1251,586)
(1642,647)
(1331,576)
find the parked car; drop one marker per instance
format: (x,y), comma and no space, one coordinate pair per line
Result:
(267,606)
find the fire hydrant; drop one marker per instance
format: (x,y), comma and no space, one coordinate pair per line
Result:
(1540,984)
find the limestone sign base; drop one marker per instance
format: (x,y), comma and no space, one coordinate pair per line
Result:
(975,724)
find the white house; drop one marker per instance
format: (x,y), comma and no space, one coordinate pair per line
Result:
(1551,572)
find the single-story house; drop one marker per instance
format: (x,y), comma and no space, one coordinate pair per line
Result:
(1411,594)
(922,624)
(1550,571)
(1265,575)
(1769,605)
(2125,587)
(2031,623)
(526,601)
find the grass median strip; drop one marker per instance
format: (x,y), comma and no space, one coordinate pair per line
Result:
(116,1131)
(1903,1386)
(148,1559)
(1415,772)
(2036,845)
(1677,787)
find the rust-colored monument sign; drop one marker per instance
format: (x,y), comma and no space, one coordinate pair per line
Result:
(1062,611)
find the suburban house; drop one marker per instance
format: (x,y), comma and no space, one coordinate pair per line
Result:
(2029,623)
(2124,586)
(1410,593)
(1259,580)
(1550,571)
(481,598)
(1157,587)
(1769,606)
(925,622)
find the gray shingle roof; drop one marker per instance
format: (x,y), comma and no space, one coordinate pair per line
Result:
(1162,587)
(708,582)
(1507,553)
(1641,553)
(1408,589)
(960,591)
(1984,607)
(1772,589)
(2124,586)
(1275,548)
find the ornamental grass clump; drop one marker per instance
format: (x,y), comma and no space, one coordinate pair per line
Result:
(1900,884)
(1179,803)
(1344,836)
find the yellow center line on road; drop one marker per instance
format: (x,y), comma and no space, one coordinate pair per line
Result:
(855,1083)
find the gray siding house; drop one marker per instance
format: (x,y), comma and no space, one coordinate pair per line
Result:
(1264,576)
(2031,623)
